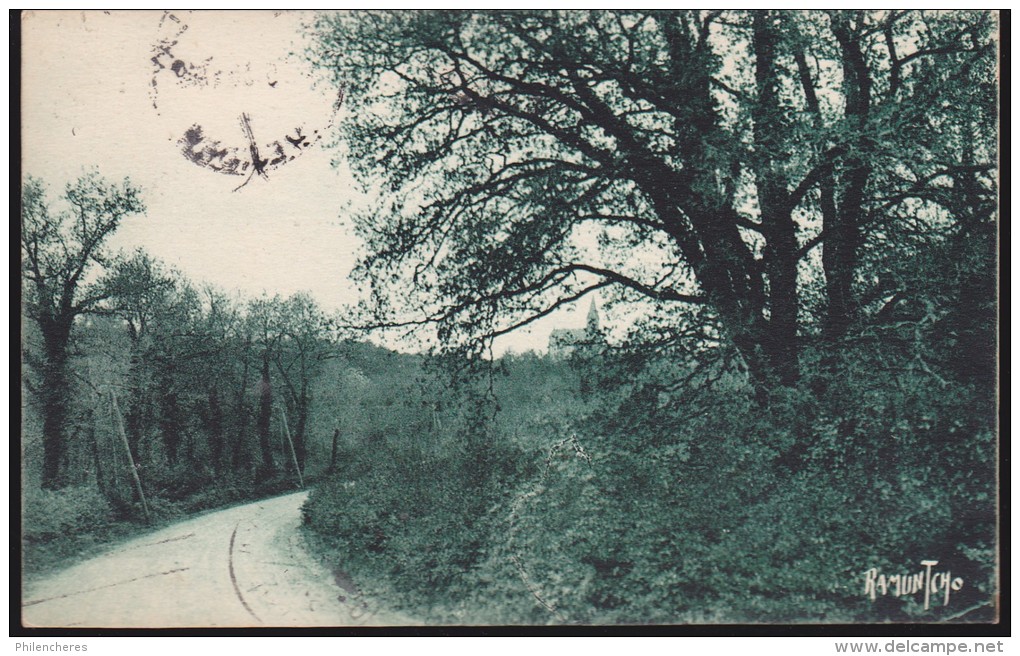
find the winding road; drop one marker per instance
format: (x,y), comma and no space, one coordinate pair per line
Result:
(246,566)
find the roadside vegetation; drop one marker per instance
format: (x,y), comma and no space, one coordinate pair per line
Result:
(147,397)
(793,218)
(627,504)
(792,221)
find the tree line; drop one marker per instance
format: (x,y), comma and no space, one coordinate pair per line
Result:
(198,387)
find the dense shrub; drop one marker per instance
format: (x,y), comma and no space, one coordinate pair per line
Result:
(50,514)
(419,522)
(704,505)
(61,524)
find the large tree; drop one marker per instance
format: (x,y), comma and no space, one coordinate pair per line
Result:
(733,166)
(60,250)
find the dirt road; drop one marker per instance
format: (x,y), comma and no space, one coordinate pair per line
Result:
(244,566)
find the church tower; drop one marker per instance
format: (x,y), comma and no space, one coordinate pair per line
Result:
(564,341)
(593,320)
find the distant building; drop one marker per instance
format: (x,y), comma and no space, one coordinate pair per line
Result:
(565,341)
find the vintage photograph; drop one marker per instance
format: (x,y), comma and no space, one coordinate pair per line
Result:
(537,318)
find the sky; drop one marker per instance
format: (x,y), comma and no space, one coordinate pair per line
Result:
(88,100)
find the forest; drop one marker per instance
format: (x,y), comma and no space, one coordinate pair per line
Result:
(147,396)
(790,219)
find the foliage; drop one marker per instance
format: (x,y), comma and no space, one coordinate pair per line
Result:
(415,505)
(657,512)
(49,514)
(64,525)
(59,250)
(684,159)
(141,387)
(667,493)
(801,204)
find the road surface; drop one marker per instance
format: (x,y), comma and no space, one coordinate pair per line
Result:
(246,566)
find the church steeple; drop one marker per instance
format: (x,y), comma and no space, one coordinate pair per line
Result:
(564,341)
(593,319)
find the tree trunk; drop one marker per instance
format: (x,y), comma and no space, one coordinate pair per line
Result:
(779,341)
(843,237)
(333,454)
(54,444)
(170,422)
(134,414)
(241,417)
(300,426)
(97,460)
(134,421)
(55,399)
(840,254)
(215,428)
(267,467)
